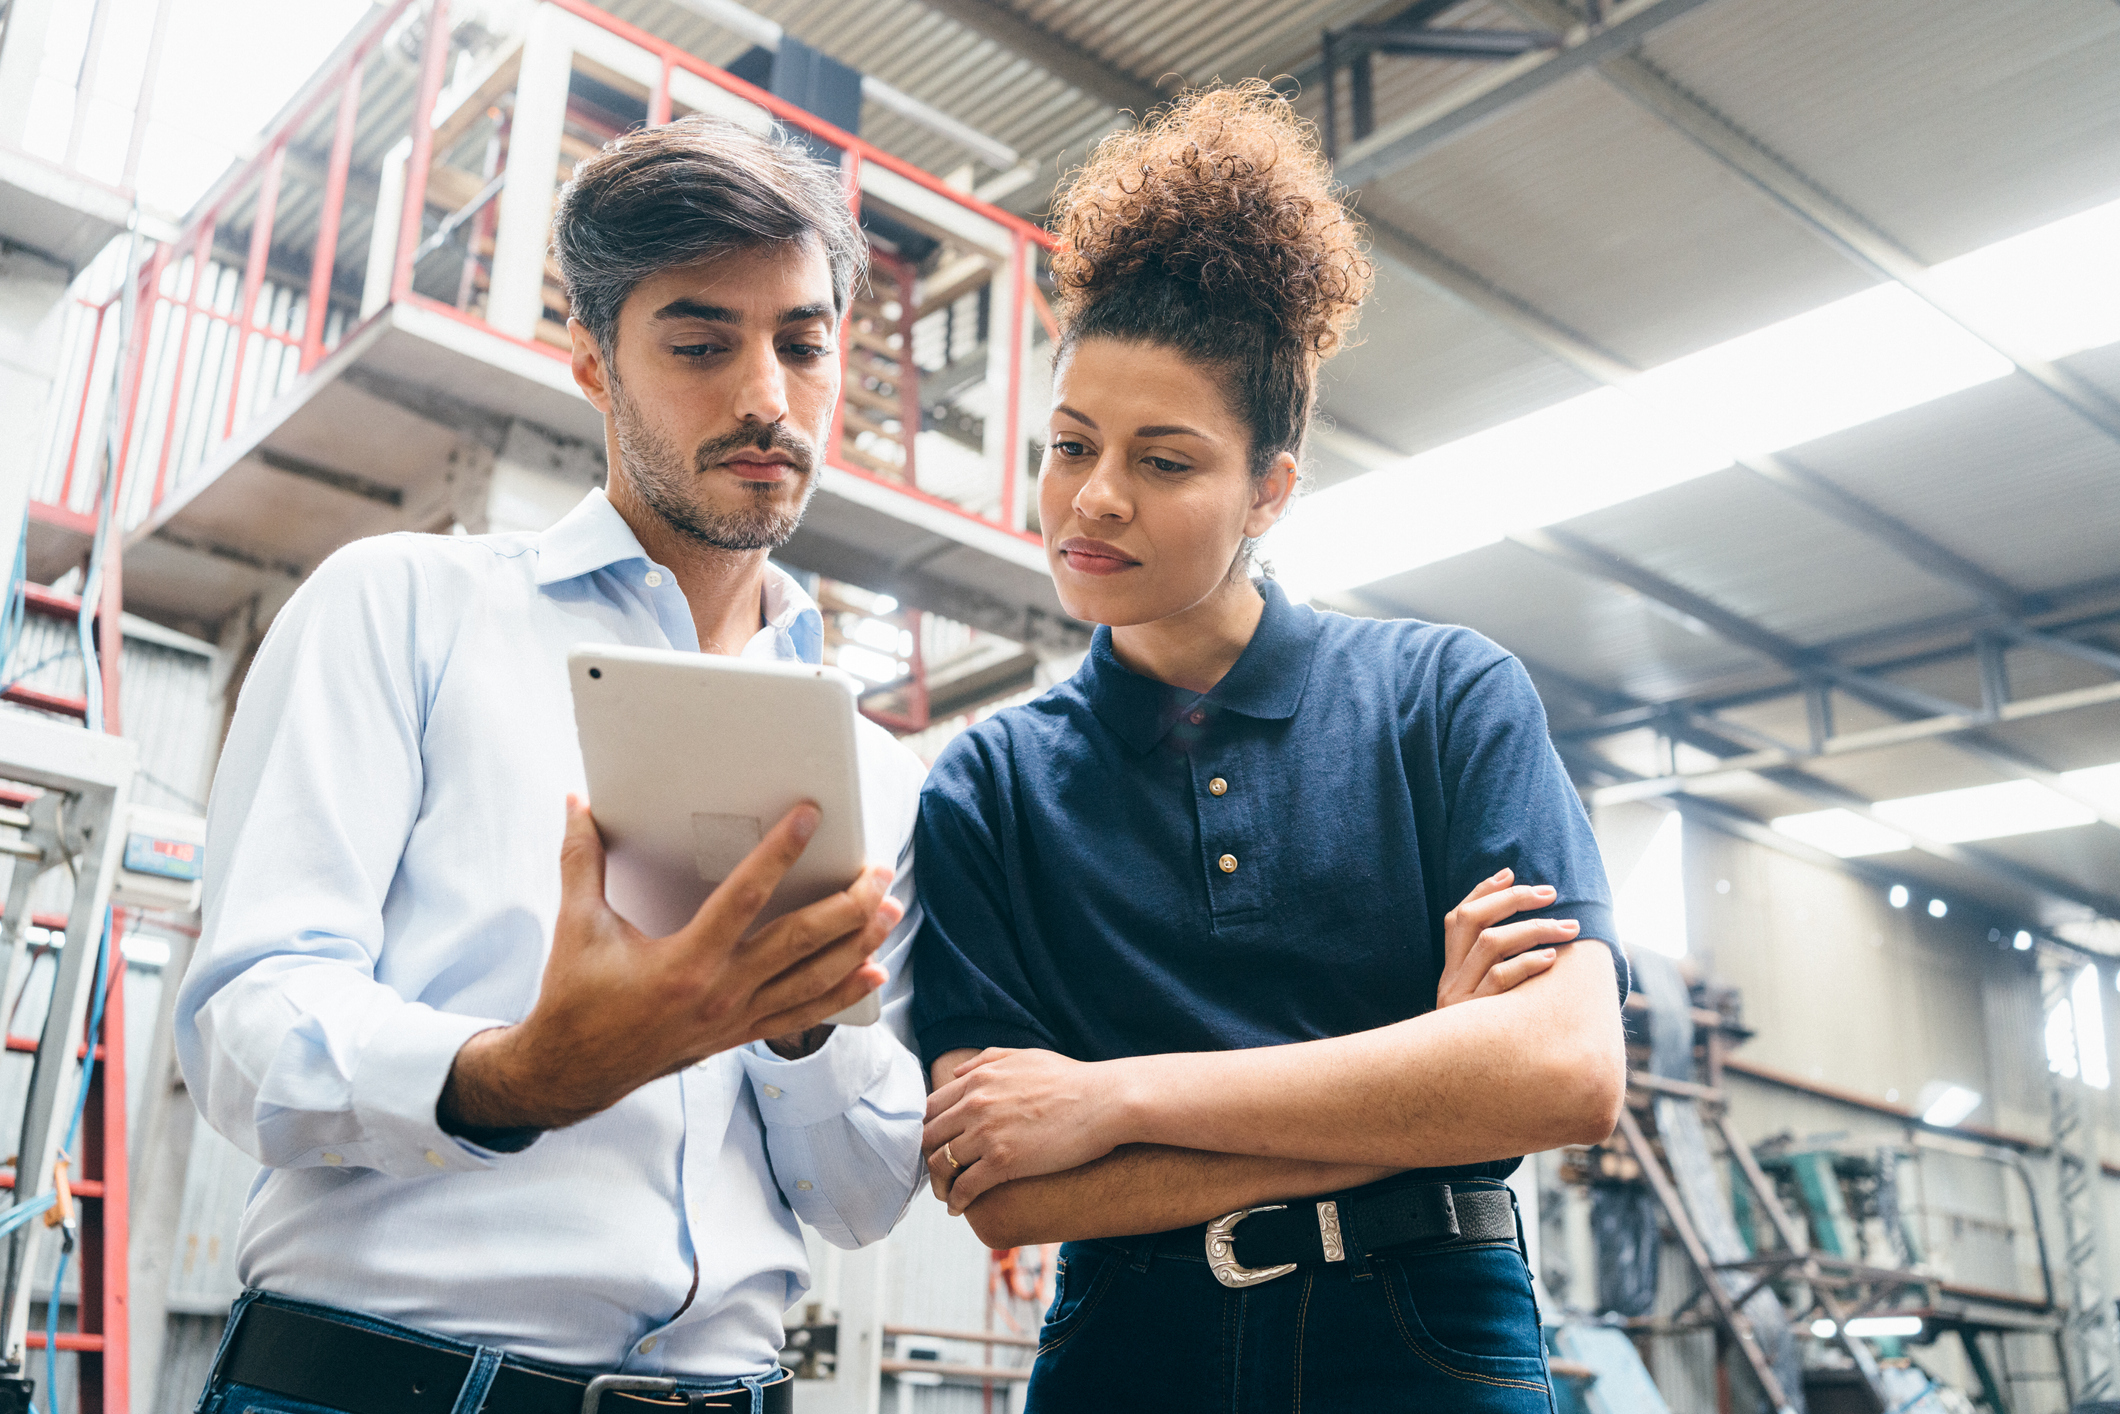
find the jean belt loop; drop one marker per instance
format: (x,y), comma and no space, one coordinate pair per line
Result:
(1516,1210)
(228,1336)
(1144,1253)
(484,1366)
(755,1386)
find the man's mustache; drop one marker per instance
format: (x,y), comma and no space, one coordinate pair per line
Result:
(770,437)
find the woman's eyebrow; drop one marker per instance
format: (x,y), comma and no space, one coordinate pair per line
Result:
(1083,418)
(1169,429)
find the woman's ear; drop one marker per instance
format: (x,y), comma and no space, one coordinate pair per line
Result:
(1270,496)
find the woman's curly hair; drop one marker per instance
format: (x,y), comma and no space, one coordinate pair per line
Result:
(1214,228)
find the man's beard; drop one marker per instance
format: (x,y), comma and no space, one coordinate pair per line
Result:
(666,485)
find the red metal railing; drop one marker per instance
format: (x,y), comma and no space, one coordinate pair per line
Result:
(215,341)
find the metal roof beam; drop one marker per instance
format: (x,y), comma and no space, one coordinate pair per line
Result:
(1835,222)
(1808,665)
(1704,735)
(1398,142)
(1423,263)
(1980,861)
(1826,215)
(1061,58)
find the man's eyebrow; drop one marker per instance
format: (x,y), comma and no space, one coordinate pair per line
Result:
(804,311)
(694,309)
(1082,418)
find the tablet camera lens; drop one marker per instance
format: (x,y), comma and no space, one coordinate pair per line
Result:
(596,672)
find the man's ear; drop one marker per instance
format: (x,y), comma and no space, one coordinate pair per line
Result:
(1271,494)
(591,373)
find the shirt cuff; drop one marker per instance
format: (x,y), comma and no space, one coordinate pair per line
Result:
(824,1084)
(402,1070)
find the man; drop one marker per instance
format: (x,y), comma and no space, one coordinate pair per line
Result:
(511,1144)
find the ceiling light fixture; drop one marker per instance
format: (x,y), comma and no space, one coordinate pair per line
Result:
(1898,896)
(2054,291)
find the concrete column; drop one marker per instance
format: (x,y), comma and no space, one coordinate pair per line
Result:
(516,301)
(534,479)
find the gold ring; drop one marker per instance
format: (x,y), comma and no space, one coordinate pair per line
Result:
(949,1156)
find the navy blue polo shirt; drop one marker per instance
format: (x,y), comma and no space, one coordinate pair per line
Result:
(1124,868)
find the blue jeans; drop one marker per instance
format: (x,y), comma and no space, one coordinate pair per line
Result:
(224,1397)
(1143,1325)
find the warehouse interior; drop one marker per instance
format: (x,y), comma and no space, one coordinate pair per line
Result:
(1750,369)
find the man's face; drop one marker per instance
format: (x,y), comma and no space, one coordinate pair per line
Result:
(720,392)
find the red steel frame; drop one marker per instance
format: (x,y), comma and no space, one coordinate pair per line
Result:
(248,333)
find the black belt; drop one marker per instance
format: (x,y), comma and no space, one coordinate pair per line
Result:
(1253,1245)
(319,1360)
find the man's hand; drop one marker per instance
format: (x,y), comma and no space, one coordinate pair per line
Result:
(1481,959)
(617,1009)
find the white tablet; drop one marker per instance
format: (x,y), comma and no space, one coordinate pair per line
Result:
(691,758)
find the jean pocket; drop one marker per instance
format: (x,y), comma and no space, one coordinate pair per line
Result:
(246,1399)
(1469,1314)
(1086,1273)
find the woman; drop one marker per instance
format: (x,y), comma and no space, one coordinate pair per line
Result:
(1190,923)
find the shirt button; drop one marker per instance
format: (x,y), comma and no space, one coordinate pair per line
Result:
(1228,863)
(647,1345)
(803,1184)
(1217,786)
(1197,717)
(435,1159)
(654,580)
(331,1158)
(772,1092)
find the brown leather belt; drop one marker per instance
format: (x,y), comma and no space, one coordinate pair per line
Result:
(311,1357)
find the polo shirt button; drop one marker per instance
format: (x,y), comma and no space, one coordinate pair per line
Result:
(1228,863)
(647,1345)
(1197,717)
(1217,786)
(654,580)
(803,1185)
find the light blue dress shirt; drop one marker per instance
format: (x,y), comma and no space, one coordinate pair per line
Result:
(382,876)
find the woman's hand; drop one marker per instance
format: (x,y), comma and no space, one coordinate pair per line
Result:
(1016,1114)
(1481,959)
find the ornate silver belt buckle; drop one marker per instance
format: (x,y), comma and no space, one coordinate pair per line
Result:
(1222,1251)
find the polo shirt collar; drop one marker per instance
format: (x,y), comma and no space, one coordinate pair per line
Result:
(594,536)
(1266,683)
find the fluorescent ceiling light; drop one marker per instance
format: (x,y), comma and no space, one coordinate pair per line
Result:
(1872,1327)
(1985,812)
(1951,1106)
(1955,816)
(2049,292)
(1842,833)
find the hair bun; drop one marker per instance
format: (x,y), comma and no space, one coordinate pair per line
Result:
(1224,192)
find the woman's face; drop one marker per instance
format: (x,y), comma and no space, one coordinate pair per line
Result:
(1146,492)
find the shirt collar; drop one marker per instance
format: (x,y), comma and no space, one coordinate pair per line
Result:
(594,536)
(591,537)
(1266,683)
